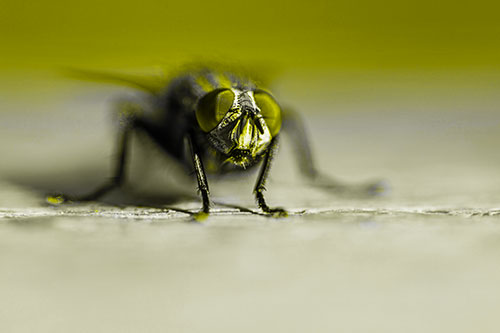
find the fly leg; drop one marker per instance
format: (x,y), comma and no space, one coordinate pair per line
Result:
(119,173)
(115,181)
(127,124)
(293,125)
(260,186)
(201,177)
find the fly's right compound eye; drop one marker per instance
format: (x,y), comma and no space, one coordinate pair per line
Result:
(212,108)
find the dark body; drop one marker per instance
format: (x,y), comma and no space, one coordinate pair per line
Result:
(174,118)
(218,122)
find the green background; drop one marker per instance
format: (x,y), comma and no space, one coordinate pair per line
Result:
(310,34)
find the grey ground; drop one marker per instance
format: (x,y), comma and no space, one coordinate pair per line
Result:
(422,258)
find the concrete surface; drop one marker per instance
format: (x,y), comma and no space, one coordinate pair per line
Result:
(423,258)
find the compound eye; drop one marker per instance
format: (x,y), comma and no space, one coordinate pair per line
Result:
(212,108)
(270,110)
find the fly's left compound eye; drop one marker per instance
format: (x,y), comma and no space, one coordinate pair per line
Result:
(270,110)
(212,108)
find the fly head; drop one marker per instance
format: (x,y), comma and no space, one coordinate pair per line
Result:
(239,124)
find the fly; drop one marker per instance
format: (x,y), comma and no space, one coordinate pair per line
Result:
(220,119)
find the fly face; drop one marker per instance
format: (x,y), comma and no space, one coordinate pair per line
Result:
(239,124)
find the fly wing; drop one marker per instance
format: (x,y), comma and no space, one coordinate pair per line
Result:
(262,75)
(151,83)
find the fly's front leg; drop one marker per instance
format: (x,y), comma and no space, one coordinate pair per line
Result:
(293,125)
(201,177)
(260,186)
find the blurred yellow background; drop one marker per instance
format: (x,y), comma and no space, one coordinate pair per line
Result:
(308,34)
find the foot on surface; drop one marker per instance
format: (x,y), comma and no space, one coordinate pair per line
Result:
(276,212)
(378,188)
(375,188)
(57,199)
(201,216)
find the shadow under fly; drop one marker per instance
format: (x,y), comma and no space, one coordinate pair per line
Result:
(217,122)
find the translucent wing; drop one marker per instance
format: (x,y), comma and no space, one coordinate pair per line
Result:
(152,83)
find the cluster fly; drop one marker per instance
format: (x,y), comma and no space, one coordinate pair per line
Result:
(219,119)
